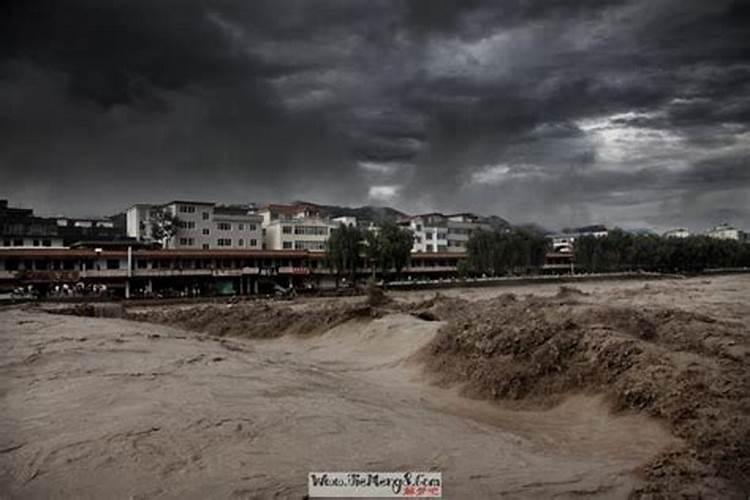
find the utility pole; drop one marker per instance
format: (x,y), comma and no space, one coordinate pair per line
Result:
(130,272)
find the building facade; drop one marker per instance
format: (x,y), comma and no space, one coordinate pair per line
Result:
(20,228)
(680,232)
(296,227)
(565,241)
(436,232)
(199,225)
(726,232)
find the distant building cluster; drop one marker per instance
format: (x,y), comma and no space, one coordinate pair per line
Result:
(200,225)
(720,232)
(298,226)
(21,228)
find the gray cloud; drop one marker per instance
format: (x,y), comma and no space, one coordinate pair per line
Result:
(561,112)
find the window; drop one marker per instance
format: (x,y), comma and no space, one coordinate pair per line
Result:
(224,226)
(252,227)
(241,227)
(224,242)
(253,243)
(6,243)
(241,242)
(286,230)
(310,245)
(46,243)
(187,224)
(17,242)
(441,236)
(206,231)
(287,245)
(429,236)
(311,230)
(187,241)
(428,248)
(113,264)
(187,209)
(205,246)
(205,215)
(36,243)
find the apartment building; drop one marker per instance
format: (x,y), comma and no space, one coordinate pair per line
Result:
(680,232)
(565,241)
(20,228)
(726,232)
(200,225)
(437,232)
(296,227)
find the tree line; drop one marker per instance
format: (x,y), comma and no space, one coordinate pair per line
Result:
(385,249)
(622,251)
(498,253)
(520,251)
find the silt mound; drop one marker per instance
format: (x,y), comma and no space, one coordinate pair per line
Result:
(689,370)
(255,319)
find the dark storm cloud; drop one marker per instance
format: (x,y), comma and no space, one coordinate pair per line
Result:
(559,111)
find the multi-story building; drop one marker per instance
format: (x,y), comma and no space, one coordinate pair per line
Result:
(199,225)
(565,241)
(138,221)
(19,227)
(680,232)
(436,232)
(726,232)
(296,227)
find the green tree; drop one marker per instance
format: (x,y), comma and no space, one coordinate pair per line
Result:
(496,253)
(164,225)
(343,251)
(388,248)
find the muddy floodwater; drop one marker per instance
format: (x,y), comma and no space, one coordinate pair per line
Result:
(112,408)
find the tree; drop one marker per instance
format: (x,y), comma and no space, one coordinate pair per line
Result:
(374,251)
(164,225)
(497,253)
(343,249)
(389,248)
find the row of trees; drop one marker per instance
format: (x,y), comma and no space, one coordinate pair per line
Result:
(349,248)
(621,251)
(497,253)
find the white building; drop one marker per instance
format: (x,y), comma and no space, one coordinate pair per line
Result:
(726,232)
(296,227)
(201,225)
(436,232)
(562,242)
(565,241)
(137,221)
(680,232)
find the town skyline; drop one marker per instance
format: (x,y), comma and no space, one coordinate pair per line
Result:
(257,206)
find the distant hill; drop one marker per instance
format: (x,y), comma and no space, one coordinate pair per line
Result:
(366,213)
(380,214)
(496,223)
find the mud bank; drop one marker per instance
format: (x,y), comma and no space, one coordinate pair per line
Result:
(687,369)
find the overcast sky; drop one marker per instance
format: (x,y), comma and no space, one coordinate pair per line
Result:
(561,112)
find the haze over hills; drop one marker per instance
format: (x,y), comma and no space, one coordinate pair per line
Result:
(384,213)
